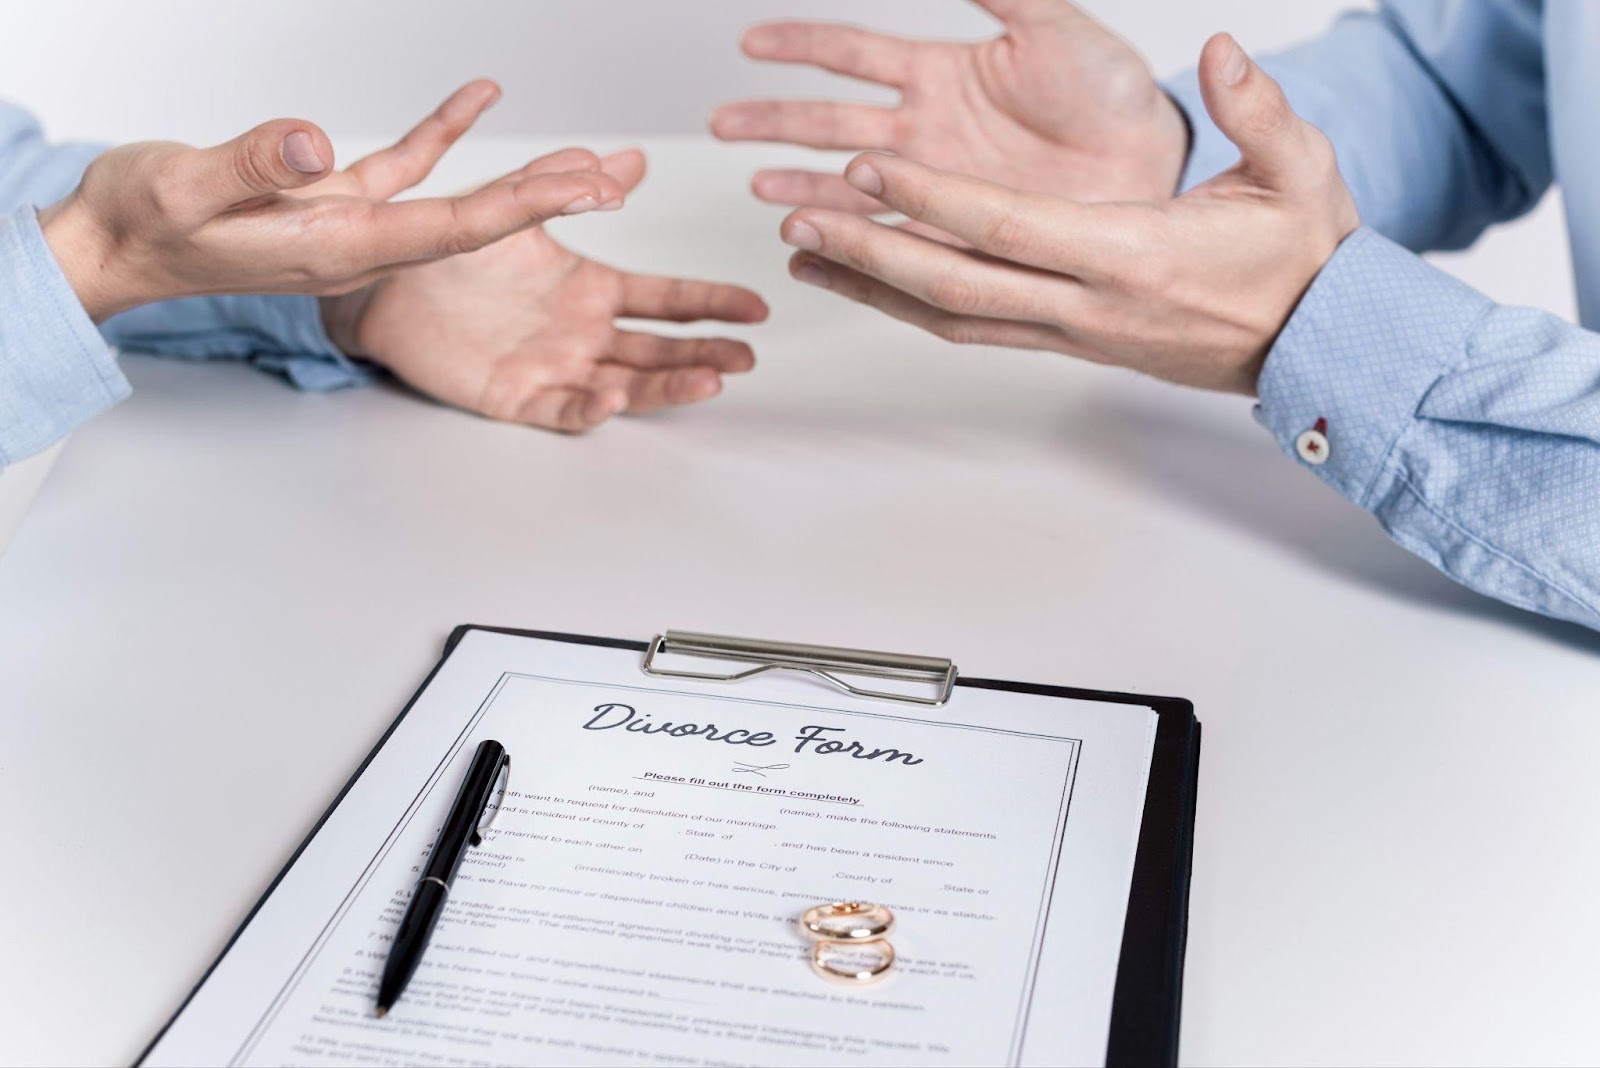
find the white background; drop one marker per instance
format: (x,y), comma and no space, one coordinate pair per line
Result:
(199,70)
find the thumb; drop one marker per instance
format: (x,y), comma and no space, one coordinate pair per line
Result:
(1251,110)
(277,155)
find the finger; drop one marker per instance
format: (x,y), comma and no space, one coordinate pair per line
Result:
(847,50)
(1084,240)
(627,167)
(1020,12)
(277,155)
(812,123)
(812,189)
(682,300)
(571,410)
(649,391)
(410,159)
(935,273)
(897,304)
(650,352)
(1275,144)
(565,161)
(415,230)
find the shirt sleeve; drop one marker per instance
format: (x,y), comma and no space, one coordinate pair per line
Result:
(1471,430)
(1436,110)
(55,369)
(280,334)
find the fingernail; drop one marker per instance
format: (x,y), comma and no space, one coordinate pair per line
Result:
(610,205)
(812,275)
(803,235)
(581,205)
(865,178)
(300,152)
(494,98)
(1234,64)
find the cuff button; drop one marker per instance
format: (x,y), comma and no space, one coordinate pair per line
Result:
(1313,444)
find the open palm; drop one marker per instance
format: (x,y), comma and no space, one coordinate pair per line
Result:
(1056,104)
(524,331)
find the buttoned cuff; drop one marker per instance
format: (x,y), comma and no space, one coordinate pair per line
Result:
(1372,335)
(55,370)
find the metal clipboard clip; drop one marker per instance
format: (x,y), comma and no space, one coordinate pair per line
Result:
(824,662)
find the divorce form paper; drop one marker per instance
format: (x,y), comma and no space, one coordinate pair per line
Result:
(636,898)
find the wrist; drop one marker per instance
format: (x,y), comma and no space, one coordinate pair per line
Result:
(87,260)
(342,316)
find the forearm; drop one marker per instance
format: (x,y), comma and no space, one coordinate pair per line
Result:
(1439,129)
(55,369)
(1470,430)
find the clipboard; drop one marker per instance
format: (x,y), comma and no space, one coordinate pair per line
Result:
(1147,995)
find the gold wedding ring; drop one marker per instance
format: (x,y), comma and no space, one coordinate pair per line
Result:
(849,943)
(848,921)
(855,962)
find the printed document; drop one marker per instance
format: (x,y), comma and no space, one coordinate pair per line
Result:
(636,898)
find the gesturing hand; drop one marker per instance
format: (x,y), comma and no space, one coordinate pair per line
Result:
(524,330)
(266,213)
(1194,290)
(1056,104)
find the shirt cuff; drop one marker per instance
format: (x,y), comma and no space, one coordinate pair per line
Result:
(303,353)
(56,372)
(1376,330)
(280,334)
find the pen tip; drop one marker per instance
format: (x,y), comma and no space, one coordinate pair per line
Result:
(383,1010)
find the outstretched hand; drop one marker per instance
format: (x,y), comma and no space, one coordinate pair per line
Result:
(1194,289)
(524,330)
(1056,104)
(267,213)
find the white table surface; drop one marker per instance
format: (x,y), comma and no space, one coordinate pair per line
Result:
(228,589)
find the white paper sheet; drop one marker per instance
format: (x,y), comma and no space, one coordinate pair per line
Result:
(637,897)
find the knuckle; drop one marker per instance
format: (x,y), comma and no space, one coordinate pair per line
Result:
(334,239)
(956,330)
(1006,233)
(167,193)
(459,235)
(953,293)
(1271,113)
(504,390)
(1320,155)
(255,166)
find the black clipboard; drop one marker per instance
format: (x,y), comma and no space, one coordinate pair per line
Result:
(1147,1000)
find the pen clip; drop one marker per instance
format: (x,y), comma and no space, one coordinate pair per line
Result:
(502,780)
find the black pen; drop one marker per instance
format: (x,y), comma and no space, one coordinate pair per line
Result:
(461,829)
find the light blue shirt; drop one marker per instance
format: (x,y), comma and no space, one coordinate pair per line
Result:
(57,370)
(1471,430)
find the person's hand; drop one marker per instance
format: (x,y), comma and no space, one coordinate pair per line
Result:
(524,330)
(1056,104)
(266,212)
(1194,290)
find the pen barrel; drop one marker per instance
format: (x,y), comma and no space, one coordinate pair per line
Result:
(416,927)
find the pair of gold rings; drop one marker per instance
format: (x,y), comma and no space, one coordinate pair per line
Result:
(850,941)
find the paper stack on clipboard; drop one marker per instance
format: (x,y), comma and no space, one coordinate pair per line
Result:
(663,828)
